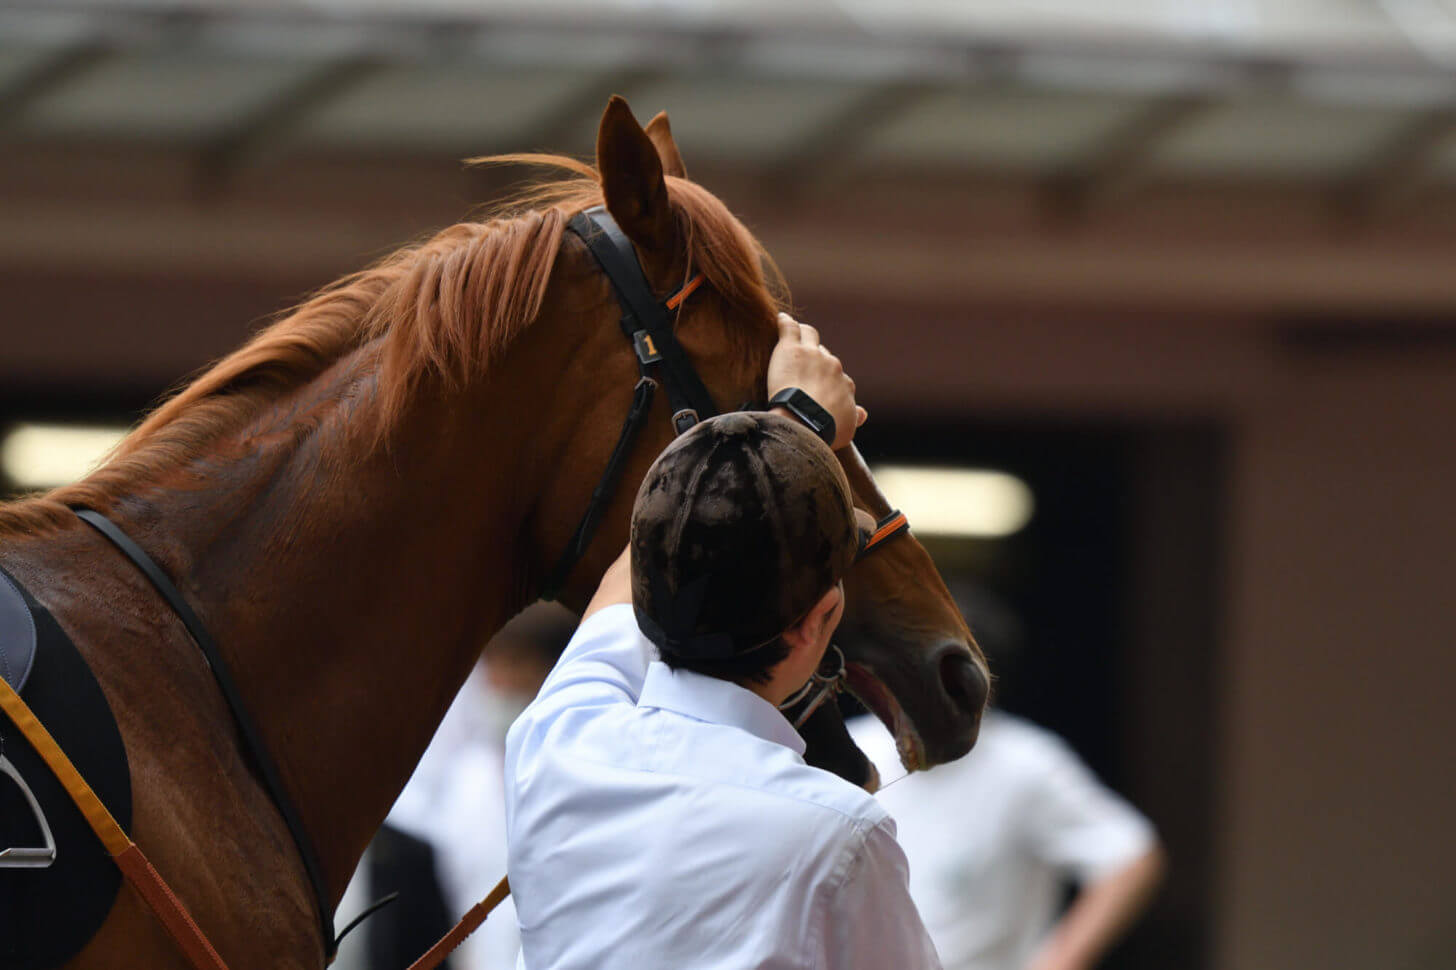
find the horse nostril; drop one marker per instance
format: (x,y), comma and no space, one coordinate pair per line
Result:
(963,681)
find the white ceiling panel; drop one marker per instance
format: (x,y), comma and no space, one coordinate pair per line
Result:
(1443,158)
(173,95)
(16,63)
(1280,138)
(458,108)
(746,118)
(999,128)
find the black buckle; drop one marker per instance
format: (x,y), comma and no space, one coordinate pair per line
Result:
(683,420)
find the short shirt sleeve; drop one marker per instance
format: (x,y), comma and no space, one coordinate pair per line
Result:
(606,659)
(873,923)
(1075,823)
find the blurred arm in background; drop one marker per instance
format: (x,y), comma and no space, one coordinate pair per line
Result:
(1101,913)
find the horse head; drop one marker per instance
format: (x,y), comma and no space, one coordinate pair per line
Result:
(910,657)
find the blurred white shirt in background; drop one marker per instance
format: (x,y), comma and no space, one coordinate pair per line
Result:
(992,838)
(455,801)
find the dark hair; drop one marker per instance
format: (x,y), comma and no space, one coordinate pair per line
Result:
(756,666)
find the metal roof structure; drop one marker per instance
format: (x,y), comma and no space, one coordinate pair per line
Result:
(1148,90)
(1131,180)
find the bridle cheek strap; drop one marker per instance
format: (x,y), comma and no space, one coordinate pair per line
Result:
(819,687)
(823,684)
(661,363)
(886,529)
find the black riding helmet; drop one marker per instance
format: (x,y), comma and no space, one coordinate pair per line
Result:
(740,527)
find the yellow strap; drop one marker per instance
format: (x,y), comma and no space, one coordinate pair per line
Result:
(100,820)
(468,924)
(149,883)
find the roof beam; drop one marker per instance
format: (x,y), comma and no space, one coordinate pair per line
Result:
(579,109)
(49,73)
(1118,161)
(1400,171)
(279,115)
(815,157)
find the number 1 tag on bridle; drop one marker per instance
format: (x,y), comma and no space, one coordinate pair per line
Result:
(647,323)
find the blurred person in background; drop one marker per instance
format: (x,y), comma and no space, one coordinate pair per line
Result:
(454,803)
(398,933)
(994,838)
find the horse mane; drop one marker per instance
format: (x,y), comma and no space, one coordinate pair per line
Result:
(446,307)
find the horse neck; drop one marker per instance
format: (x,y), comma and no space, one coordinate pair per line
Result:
(352,586)
(867,494)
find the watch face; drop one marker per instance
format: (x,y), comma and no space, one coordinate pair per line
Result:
(809,411)
(814,414)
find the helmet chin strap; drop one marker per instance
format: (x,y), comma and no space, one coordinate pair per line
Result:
(820,686)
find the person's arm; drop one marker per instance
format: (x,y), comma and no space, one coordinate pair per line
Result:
(1101,913)
(602,662)
(872,921)
(615,587)
(1089,832)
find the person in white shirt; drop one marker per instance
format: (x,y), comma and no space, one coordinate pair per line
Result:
(659,812)
(993,838)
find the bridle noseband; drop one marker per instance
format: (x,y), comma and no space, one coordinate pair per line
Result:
(831,677)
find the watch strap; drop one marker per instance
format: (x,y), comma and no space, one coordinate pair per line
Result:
(807,410)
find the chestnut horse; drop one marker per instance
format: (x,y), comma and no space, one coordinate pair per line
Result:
(358,498)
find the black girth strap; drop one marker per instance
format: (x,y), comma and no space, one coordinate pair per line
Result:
(647,323)
(252,740)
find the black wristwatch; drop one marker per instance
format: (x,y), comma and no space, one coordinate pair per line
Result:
(807,410)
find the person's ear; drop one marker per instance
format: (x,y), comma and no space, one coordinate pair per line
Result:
(811,628)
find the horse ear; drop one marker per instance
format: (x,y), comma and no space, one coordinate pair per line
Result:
(632,181)
(661,134)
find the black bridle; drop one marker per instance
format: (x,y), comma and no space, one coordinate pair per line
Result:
(252,738)
(647,323)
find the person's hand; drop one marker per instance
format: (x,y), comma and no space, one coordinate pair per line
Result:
(800,360)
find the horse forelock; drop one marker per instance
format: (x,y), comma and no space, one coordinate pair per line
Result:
(444,308)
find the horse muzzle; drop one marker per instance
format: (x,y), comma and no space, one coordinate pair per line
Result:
(932,707)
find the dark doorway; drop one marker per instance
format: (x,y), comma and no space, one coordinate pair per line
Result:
(1114,581)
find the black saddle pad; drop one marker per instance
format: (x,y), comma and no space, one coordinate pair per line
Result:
(48,915)
(17,634)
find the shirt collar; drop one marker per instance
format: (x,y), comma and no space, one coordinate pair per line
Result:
(716,701)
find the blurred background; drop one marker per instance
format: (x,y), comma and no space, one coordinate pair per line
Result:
(1178,273)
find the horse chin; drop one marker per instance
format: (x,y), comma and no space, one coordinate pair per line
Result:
(873,693)
(872,782)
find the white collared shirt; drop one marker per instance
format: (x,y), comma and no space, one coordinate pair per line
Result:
(659,818)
